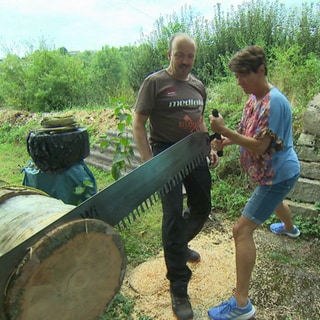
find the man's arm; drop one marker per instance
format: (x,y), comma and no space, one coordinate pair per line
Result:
(202,127)
(140,136)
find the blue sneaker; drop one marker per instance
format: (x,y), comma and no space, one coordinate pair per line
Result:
(230,311)
(278,228)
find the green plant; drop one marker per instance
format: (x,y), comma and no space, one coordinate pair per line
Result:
(229,195)
(280,257)
(47,80)
(230,186)
(120,308)
(123,308)
(122,143)
(83,190)
(309,226)
(103,178)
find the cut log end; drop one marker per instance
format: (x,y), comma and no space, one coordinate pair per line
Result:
(72,273)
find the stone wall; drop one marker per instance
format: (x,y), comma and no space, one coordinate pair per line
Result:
(306,192)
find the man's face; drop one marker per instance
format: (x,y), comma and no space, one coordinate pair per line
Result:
(182,58)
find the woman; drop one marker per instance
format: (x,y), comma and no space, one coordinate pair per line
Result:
(268,156)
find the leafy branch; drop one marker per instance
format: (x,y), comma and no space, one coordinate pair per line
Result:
(122,143)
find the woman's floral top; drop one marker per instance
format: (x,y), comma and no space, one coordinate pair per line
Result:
(272,115)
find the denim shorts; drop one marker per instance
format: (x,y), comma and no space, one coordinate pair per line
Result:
(266,198)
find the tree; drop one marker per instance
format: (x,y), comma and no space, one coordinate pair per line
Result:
(106,73)
(12,81)
(54,81)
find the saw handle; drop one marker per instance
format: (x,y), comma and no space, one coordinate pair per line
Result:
(215,113)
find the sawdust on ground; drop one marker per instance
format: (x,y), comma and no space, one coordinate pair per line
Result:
(213,278)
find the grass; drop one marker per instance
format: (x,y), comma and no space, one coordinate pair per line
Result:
(11,171)
(123,308)
(103,178)
(143,236)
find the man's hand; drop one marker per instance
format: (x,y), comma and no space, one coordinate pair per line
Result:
(213,159)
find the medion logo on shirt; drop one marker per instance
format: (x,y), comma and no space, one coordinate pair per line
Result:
(185,103)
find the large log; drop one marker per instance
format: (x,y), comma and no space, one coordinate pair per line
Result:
(71,273)
(23,212)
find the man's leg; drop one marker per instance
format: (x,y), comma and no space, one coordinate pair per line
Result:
(174,240)
(198,188)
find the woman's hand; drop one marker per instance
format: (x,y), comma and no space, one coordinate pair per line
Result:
(217,124)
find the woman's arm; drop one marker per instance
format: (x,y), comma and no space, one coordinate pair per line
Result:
(258,146)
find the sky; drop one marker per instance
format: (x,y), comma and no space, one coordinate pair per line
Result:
(80,25)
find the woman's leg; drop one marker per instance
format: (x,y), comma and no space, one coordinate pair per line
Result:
(245,257)
(283,212)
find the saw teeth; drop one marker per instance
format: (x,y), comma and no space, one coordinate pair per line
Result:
(142,207)
(123,223)
(176,180)
(172,183)
(166,188)
(152,200)
(133,216)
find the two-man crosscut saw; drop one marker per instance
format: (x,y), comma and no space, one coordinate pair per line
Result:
(123,200)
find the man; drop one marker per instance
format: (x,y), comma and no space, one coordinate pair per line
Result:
(173,102)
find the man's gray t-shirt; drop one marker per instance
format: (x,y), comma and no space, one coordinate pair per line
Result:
(174,107)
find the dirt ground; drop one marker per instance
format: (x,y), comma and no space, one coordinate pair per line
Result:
(100,121)
(285,284)
(286,279)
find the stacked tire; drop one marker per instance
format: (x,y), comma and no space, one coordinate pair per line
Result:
(58,150)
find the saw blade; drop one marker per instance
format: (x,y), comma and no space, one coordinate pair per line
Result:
(137,191)
(125,199)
